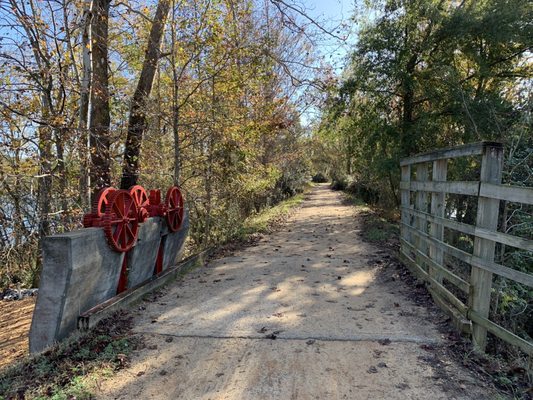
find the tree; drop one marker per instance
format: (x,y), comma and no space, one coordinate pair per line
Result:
(137,123)
(428,73)
(215,108)
(100,167)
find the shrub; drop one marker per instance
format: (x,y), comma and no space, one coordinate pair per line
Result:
(364,192)
(319,178)
(339,182)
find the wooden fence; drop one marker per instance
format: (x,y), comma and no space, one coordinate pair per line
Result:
(423,245)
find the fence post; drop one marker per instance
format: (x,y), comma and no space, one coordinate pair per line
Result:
(487,217)
(438,201)
(406,203)
(421,205)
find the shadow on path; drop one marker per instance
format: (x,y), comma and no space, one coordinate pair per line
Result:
(299,315)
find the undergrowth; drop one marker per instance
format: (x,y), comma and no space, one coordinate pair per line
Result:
(380,226)
(264,221)
(71,369)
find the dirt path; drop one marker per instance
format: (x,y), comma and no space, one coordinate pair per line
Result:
(340,332)
(15,321)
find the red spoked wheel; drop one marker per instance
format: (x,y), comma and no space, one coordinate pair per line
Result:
(175,209)
(101,201)
(120,221)
(98,207)
(140,197)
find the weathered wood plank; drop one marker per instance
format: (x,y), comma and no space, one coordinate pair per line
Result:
(489,192)
(487,217)
(459,282)
(502,333)
(518,276)
(470,188)
(415,268)
(445,293)
(449,296)
(437,296)
(458,320)
(421,203)
(449,152)
(515,194)
(506,272)
(448,223)
(436,229)
(406,200)
(500,237)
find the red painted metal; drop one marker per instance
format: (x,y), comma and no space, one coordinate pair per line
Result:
(141,201)
(123,280)
(174,208)
(155,208)
(155,197)
(98,207)
(119,213)
(120,221)
(159,259)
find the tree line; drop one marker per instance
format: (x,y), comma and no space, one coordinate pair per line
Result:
(426,74)
(206,94)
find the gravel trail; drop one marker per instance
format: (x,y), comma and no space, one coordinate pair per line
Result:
(302,314)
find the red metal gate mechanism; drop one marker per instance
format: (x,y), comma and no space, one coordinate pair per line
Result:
(174,205)
(119,213)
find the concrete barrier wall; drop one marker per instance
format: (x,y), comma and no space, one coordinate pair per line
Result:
(81,271)
(141,259)
(174,243)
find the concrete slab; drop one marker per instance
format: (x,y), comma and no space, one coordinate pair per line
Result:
(90,318)
(243,369)
(79,271)
(142,257)
(174,242)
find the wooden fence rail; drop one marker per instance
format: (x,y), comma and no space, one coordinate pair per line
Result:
(423,245)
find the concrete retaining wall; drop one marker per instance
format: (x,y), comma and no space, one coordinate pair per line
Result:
(141,259)
(81,271)
(174,243)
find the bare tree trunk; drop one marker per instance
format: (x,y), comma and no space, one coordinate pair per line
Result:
(137,121)
(175,108)
(61,171)
(99,141)
(43,194)
(45,81)
(84,117)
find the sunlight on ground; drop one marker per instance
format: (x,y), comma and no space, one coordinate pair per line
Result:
(360,279)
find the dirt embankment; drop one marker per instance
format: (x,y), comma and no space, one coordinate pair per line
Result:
(15,321)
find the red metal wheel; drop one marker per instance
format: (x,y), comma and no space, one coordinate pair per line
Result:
(101,200)
(88,220)
(175,209)
(93,219)
(140,196)
(120,221)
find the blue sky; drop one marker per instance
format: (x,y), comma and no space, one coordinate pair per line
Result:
(332,13)
(332,9)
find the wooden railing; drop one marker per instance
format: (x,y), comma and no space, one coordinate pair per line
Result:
(423,245)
